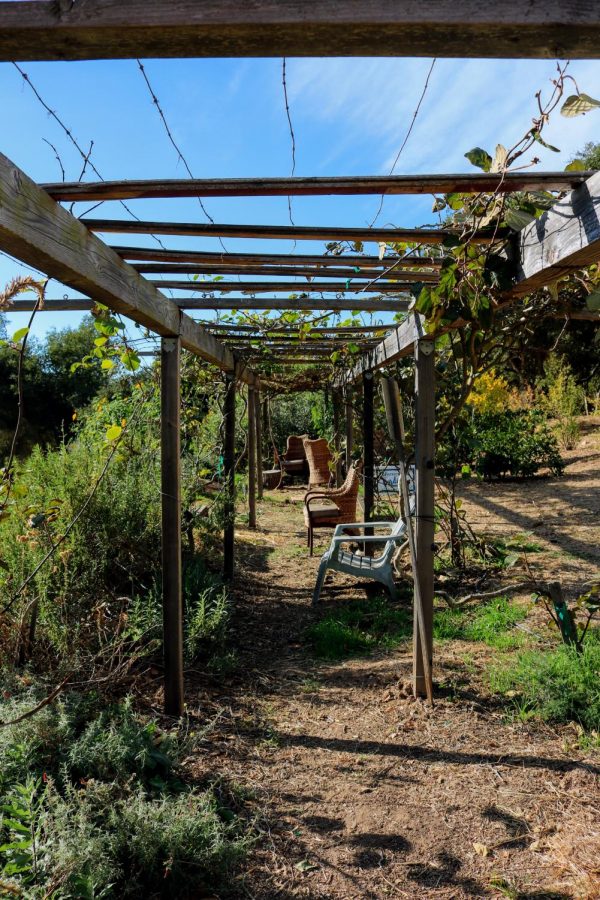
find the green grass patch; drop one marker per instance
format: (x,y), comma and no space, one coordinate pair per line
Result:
(358,628)
(491,623)
(558,685)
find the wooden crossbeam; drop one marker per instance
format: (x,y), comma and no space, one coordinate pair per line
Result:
(102,29)
(428,236)
(278,329)
(564,239)
(201,257)
(267,287)
(314,187)
(350,304)
(36,230)
(285,272)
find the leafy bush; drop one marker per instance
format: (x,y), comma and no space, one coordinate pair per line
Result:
(562,398)
(93,805)
(558,685)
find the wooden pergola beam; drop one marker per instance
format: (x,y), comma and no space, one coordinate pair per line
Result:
(564,239)
(38,231)
(277,329)
(350,304)
(285,272)
(101,29)
(268,287)
(201,257)
(288,232)
(474,183)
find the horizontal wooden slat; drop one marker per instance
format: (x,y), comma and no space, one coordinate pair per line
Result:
(285,232)
(564,239)
(39,232)
(297,287)
(220,328)
(106,29)
(155,254)
(284,272)
(216,303)
(474,183)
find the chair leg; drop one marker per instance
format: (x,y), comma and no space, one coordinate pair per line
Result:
(389,583)
(320,579)
(311,536)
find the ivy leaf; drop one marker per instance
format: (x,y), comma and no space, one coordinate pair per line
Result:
(578,105)
(518,218)
(480,158)
(424,302)
(130,360)
(537,137)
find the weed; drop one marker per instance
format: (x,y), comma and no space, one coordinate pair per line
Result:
(491,623)
(358,628)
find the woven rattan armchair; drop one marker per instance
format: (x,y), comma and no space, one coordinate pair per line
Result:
(327,508)
(293,461)
(319,457)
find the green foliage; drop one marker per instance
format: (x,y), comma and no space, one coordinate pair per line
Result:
(91,803)
(589,156)
(491,623)
(562,398)
(358,628)
(306,412)
(558,685)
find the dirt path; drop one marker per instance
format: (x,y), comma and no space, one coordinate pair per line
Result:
(365,793)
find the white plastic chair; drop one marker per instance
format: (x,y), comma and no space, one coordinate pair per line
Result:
(377,568)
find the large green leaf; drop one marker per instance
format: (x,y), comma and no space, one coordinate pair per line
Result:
(577,165)
(578,105)
(518,218)
(480,158)
(593,301)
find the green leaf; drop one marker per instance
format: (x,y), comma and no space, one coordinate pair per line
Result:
(130,360)
(518,218)
(578,105)
(107,364)
(305,866)
(113,432)
(19,335)
(480,158)
(537,137)
(593,301)
(101,341)
(577,165)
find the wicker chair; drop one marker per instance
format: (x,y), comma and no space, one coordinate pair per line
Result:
(293,461)
(339,505)
(319,456)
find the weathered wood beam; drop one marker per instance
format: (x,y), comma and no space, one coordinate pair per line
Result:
(251,430)
(229,478)
(277,329)
(368,448)
(264,287)
(349,303)
(399,342)
(36,230)
(564,239)
(102,29)
(314,187)
(156,254)
(283,272)
(287,232)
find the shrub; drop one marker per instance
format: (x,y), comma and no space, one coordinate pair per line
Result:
(558,685)
(562,398)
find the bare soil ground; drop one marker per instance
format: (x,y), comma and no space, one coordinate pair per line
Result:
(363,792)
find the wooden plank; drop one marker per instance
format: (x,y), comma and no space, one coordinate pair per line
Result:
(156,254)
(402,275)
(251,458)
(287,232)
(368,446)
(425,510)
(349,303)
(259,440)
(349,418)
(563,240)
(229,478)
(36,230)
(104,29)
(170,430)
(356,185)
(264,287)
(251,330)
(399,342)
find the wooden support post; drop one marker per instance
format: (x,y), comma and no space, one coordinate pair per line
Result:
(171,526)
(251,458)
(229,475)
(349,426)
(368,457)
(424,455)
(259,441)
(336,399)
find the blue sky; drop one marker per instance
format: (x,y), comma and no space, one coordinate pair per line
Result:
(349,117)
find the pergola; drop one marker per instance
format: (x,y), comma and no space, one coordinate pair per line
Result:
(37,230)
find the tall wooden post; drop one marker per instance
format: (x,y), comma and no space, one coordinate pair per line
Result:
(229,477)
(349,426)
(251,457)
(425,472)
(259,441)
(336,399)
(170,351)
(368,443)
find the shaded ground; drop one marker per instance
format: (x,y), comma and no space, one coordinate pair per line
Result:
(362,792)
